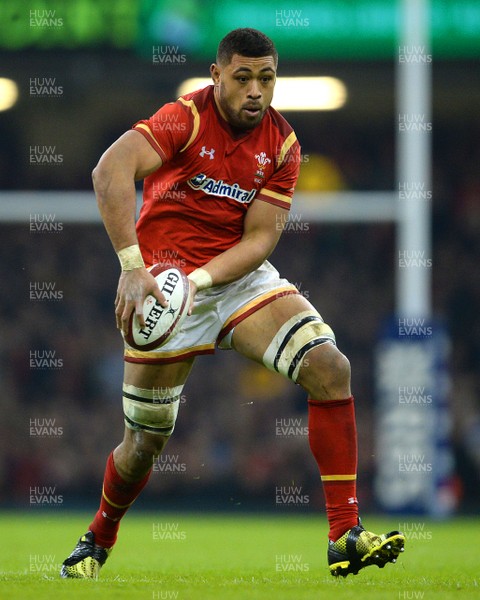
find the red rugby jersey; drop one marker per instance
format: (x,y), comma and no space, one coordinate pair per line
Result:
(195,203)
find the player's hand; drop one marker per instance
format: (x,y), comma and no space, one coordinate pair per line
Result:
(133,287)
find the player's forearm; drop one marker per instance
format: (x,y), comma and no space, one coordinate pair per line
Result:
(243,258)
(261,235)
(116,199)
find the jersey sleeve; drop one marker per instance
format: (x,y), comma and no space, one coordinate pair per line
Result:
(280,187)
(169,130)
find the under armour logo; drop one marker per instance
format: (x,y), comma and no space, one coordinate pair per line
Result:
(205,151)
(105,516)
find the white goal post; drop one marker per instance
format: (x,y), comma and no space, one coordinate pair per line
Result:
(314,207)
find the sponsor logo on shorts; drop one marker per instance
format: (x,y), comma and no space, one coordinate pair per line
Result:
(215,187)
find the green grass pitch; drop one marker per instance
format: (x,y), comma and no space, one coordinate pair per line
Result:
(203,557)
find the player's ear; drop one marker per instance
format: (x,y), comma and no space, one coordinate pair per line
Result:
(215,73)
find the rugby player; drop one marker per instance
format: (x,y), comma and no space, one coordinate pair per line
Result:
(217,190)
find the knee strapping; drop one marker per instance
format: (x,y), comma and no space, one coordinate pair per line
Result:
(294,340)
(152,410)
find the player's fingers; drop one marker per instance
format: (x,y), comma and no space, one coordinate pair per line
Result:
(139,313)
(119,303)
(125,316)
(159,297)
(119,308)
(119,295)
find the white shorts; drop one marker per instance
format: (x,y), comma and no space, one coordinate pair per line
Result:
(217,311)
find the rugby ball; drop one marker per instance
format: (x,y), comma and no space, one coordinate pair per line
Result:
(161,324)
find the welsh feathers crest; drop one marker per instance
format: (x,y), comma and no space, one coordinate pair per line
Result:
(262,159)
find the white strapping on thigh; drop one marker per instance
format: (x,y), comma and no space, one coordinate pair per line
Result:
(297,336)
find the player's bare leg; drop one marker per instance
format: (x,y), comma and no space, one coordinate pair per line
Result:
(287,336)
(151,395)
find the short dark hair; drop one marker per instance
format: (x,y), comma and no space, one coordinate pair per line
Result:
(246,42)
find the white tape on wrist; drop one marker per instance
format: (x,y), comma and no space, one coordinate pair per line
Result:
(130,258)
(201,278)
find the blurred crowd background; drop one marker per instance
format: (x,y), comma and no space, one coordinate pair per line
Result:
(228,442)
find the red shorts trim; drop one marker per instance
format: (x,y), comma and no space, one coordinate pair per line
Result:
(164,360)
(252,307)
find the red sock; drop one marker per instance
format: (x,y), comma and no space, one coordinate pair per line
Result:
(332,434)
(117,497)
